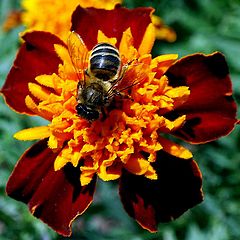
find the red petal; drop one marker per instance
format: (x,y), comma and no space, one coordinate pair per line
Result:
(54,197)
(210,109)
(177,189)
(35,57)
(87,21)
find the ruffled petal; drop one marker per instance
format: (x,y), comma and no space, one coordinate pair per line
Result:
(178,188)
(56,197)
(87,21)
(210,108)
(35,57)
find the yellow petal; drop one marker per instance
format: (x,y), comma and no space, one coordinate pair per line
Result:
(151,173)
(62,52)
(63,158)
(175,149)
(60,162)
(137,165)
(126,154)
(103,38)
(178,92)
(75,158)
(86,179)
(38,91)
(86,176)
(52,142)
(164,58)
(87,172)
(126,45)
(109,169)
(148,40)
(87,148)
(31,104)
(45,80)
(33,133)
(179,122)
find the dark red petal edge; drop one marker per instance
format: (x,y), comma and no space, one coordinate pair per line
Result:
(210,109)
(178,188)
(87,21)
(54,197)
(36,56)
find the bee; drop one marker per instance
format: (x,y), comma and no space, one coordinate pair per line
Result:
(99,81)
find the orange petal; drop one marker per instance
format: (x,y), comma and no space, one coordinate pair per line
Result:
(147,41)
(137,165)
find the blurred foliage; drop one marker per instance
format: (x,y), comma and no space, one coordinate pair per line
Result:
(201,26)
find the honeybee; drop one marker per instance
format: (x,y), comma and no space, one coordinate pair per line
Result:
(99,81)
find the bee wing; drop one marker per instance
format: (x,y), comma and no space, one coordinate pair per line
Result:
(78,53)
(130,77)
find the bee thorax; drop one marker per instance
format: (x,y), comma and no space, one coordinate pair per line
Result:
(93,95)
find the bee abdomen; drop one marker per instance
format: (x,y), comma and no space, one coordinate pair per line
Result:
(104,61)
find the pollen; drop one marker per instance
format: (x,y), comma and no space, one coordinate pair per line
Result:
(130,134)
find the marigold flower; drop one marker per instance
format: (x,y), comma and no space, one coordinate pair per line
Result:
(37,13)
(190,98)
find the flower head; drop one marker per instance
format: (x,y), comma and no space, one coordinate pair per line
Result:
(37,13)
(158,178)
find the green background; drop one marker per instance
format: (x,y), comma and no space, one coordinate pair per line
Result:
(202,26)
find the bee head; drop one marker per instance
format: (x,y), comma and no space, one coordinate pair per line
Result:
(87,112)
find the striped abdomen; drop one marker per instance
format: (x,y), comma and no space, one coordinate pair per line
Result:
(104,61)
